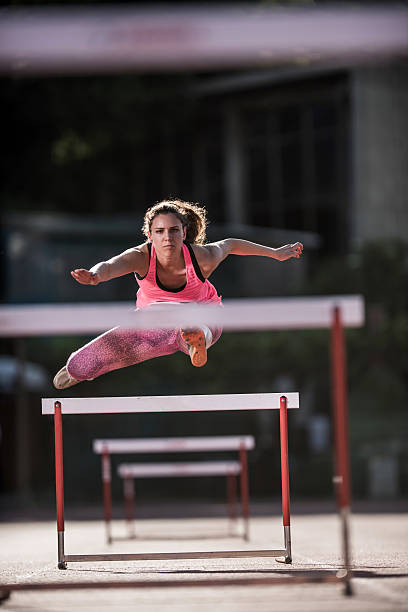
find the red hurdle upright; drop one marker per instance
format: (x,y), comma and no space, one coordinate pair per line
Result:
(59,483)
(107,492)
(283,413)
(341,446)
(129,503)
(244,488)
(232,496)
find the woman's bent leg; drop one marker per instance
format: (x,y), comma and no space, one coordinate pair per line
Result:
(196,341)
(119,348)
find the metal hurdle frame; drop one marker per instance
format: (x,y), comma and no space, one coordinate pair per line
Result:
(332,312)
(184,403)
(241,443)
(129,472)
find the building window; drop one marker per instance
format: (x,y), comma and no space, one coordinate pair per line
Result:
(296,171)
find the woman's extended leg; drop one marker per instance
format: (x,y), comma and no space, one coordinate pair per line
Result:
(119,348)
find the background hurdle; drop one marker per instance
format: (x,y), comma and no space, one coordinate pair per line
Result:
(192,403)
(242,444)
(128,472)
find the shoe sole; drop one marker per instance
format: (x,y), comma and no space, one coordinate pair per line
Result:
(62,380)
(197,349)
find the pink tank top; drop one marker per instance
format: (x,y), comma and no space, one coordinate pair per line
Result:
(196,289)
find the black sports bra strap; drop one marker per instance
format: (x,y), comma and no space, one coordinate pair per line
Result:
(149,248)
(195,262)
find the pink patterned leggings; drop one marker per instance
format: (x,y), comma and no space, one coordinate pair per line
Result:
(119,348)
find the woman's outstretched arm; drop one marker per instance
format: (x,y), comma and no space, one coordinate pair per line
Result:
(132,260)
(236,246)
(211,255)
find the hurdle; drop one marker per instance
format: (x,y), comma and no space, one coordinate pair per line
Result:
(106,447)
(332,312)
(128,472)
(184,403)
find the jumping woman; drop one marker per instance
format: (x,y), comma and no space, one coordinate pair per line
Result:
(173,265)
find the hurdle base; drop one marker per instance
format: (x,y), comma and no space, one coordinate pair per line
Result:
(348,591)
(61,555)
(308,577)
(221,554)
(140,538)
(4,595)
(345,576)
(286,559)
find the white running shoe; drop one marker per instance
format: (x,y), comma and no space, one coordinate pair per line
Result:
(198,340)
(63,379)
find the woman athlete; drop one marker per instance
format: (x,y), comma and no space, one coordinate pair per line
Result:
(173,265)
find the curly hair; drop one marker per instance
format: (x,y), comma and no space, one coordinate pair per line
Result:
(192,216)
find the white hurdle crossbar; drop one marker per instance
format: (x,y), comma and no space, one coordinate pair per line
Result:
(185,444)
(243,443)
(168,403)
(180,469)
(185,403)
(244,314)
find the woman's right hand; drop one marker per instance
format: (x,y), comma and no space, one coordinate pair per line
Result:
(85,277)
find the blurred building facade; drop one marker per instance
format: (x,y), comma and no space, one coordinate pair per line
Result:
(317,155)
(311,154)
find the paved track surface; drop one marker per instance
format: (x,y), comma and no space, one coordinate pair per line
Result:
(380,565)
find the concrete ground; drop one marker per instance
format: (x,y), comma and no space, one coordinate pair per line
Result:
(379,551)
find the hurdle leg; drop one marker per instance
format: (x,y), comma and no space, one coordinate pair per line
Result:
(59,484)
(341,450)
(285,478)
(107,493)
(244,489)
(232,499)
(129,499)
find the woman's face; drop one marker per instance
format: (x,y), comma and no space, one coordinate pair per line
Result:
(167,233)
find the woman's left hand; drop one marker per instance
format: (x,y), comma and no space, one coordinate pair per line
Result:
(289,250)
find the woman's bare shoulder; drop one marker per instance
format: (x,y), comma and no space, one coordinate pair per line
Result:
(211,250)
(139,249)
(209,256)
(139,255)
(134,259)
